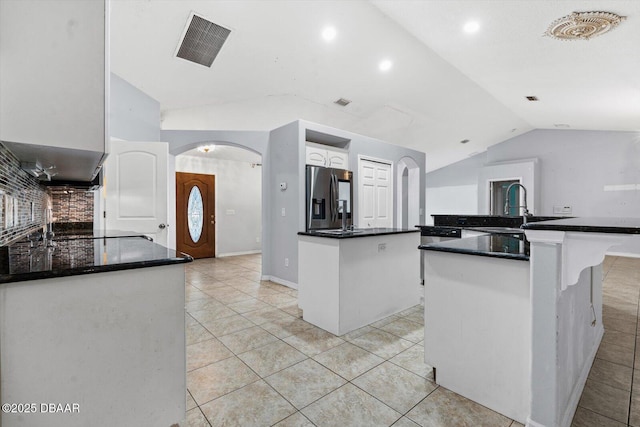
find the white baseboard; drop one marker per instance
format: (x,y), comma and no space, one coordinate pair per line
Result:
(574,399)
(531,423)
(280,281)
(238,253)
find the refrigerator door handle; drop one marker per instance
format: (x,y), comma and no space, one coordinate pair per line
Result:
(332,197)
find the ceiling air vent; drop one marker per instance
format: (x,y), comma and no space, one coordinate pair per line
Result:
(531,98)
(342,102)
(202,40)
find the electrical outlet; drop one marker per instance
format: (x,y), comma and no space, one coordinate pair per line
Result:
(283,212)
(257,239)
(382,247)
(231,212)
(286,262)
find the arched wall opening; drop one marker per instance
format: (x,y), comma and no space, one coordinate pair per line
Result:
(408,193)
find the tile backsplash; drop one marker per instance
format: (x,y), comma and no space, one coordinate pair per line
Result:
(23,200)
(72,206)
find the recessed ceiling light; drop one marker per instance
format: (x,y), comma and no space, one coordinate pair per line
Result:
(471,27)
(329,33)
(562,125)
(385,65)
(206,148)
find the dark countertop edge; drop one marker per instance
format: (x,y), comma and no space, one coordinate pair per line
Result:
(352,235)
(515,257)
(581,228)
(24,277)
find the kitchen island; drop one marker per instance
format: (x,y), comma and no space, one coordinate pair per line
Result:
(477,319)
(350,279)
(95,323)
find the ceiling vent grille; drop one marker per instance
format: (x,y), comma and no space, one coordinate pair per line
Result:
(202,41)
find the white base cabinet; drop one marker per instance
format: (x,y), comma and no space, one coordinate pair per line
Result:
(111,343)
(345,284)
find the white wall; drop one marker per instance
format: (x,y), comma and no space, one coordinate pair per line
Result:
(595,172)
(238,202)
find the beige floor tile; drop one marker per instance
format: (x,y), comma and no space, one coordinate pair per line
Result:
(193,294)
(212,314)
(516,424)
(612,374)
(417,317)
(313,341)
(292,309)
(255,405)
(411,310)
(197,333)
(616,354)
(353,407)
(586,418)
(410,331)
(204,353)
(350,336)
(606,400)
(286,327)
(281,299)
(248,305)
(620,324)
(218,379)
(412,359)
(395,386)
(265,315)
(247,339)
(382,343)
(444,408)
(195,418)
(252,275)
(634,410)
(627,340)
(348,360)
(227,325)
(305,382)
(386,320)
(405,422)
(203,304)
(190,402)
(272,358)
(295,420)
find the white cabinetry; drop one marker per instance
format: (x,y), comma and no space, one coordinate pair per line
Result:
(54,74)
(322,155)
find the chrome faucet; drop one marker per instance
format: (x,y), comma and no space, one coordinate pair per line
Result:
(507,206)
(343,202)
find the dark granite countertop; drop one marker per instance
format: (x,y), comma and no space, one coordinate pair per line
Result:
(362,232)
(589,225)
(485,220)
(510,246)
(22,261)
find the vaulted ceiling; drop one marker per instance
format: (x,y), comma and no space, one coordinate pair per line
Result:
(444,85)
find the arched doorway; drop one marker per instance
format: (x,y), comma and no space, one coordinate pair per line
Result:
(408,193)
(237,190)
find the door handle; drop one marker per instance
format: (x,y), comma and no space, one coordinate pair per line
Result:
(163,226)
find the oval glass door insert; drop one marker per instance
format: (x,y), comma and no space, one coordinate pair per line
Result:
(195,214)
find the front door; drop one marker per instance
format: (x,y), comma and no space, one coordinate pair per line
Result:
(195,214)
(135,176)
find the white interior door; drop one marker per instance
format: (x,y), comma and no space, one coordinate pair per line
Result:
(135,175)
(375,194)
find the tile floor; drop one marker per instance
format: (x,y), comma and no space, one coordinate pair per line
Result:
(252,360)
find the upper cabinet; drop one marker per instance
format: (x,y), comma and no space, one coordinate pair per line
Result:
(54,74)
(324,155)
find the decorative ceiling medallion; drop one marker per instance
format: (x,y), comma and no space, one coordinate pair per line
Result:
(583,25)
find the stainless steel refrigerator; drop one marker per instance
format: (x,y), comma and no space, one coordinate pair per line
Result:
(326,188)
